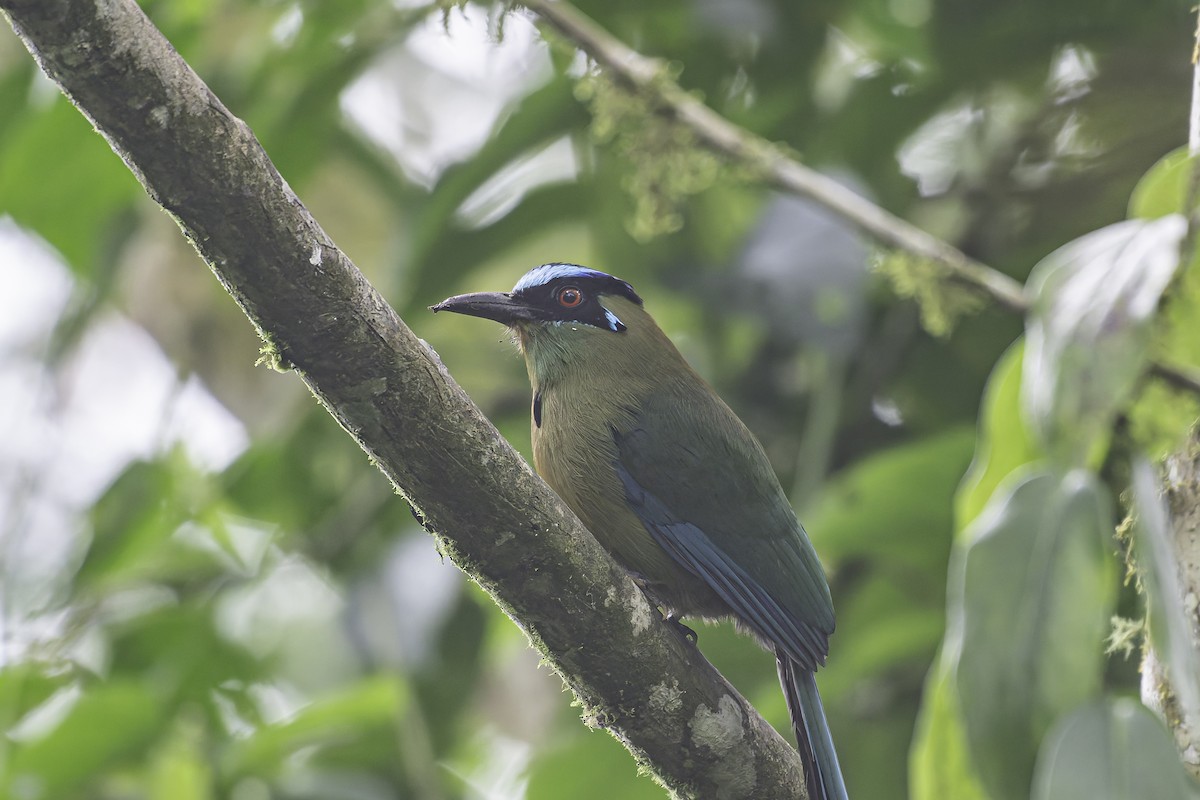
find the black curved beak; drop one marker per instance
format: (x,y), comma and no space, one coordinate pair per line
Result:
(499,306)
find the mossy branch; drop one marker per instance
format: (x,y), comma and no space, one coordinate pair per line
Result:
(491,515)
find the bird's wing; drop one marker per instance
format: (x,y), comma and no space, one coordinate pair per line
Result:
(705,491)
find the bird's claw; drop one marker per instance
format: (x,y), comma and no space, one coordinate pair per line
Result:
(681,629)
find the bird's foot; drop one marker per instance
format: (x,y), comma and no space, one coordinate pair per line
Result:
(681,629)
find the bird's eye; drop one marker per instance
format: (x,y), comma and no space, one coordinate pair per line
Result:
(569,297)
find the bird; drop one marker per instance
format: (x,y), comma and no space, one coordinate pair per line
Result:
(668,479)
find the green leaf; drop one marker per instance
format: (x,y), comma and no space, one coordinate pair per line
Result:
(59,178)
(107,724)
(892,511)
(14,96)
(139,531)
(364,710)
(1110,750)
(457,662)
(183,649)
(591,766)
(1005,442)
(1162,191)
(894,506)
(1033,597)
(181,769)
(27,684)
(886,623)
(940,760)
(1089,330)
(1170,624)
(130,522)
(1160,416)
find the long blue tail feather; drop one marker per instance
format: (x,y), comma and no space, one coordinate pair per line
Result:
(821,770)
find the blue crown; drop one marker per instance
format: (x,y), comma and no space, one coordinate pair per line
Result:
(540,276)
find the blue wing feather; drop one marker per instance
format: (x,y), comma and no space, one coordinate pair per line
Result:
(799,646)
(696,552)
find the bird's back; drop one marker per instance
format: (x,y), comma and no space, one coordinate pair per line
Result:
(659,424)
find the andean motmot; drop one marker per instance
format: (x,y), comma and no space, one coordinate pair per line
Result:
(668,479)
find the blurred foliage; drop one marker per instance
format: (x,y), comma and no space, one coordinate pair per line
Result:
(273,624)
(1136,757)
(1034,577)
(942,303)
(1095,303)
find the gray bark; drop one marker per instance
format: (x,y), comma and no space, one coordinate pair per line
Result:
(1182,485)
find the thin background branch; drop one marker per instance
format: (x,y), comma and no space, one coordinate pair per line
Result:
(780,170)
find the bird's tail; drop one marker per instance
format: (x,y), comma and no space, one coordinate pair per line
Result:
(821,770)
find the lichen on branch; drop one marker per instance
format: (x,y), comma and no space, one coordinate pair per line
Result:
(665,162)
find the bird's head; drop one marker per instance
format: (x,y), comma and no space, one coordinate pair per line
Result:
(559,313)
(550,296)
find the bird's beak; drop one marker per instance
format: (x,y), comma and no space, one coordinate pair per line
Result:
(499,306)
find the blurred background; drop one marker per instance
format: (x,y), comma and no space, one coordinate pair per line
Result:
(205,588)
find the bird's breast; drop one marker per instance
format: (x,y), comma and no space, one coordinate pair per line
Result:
(573,450)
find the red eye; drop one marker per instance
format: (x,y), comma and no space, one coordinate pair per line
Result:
(569,297)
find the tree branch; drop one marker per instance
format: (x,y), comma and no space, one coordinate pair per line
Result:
(491,515)
(778,169)
(1181,486)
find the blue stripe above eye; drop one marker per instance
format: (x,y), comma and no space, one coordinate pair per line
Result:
(540,276)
